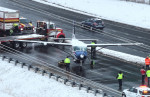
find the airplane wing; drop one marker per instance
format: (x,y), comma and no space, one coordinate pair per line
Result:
(114,44)
(45,43)
(77,39)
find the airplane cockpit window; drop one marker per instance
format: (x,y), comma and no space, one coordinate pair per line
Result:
(83,48)
(76,48)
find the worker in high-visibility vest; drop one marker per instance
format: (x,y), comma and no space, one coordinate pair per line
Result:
(120,76)
(15,29)
(93,50)
(67,62)
(148,76)
(92,64)
(147,62)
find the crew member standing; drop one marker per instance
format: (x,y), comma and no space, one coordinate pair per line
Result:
(15,29)
(92,64)
(148,76)
(143,75)
(147,62)
(120,76)
(93,50)
(67,62)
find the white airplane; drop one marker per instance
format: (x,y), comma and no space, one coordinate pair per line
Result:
(79,48)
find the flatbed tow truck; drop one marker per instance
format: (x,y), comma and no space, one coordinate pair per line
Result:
(45,31)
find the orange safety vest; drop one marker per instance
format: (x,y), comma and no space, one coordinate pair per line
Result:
(147,61)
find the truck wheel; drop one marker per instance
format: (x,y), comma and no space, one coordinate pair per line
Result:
(60,40)
(16,45)
(23,44)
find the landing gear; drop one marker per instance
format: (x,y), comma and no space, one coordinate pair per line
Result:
(81,64)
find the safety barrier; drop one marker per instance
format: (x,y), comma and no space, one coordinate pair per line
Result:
(61,79)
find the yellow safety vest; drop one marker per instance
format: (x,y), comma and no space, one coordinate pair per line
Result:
(67,60)
(15,24)
(148,73)
(93,43)
(120,76)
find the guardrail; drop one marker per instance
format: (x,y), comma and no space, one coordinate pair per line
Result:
(82,85)
(96,92)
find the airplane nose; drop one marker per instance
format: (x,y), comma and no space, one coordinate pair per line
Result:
(81,56)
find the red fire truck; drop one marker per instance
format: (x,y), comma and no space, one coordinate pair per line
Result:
(46,31)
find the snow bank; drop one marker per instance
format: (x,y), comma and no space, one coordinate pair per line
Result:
(116,10)
(124,56)
(7,10)
(17,82)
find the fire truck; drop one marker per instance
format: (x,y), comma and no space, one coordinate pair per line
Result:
(46,31)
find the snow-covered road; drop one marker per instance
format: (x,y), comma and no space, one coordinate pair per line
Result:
(116,10)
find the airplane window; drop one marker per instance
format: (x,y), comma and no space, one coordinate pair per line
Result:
(76,48)
(83,48)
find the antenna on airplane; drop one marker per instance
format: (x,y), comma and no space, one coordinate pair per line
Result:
(73,27)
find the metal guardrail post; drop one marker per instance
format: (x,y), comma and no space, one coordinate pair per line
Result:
(73,83)
(105,95)
(65,80)
(3,57)
(10,59)
(43,71)
(50,74)
(87,89)
(16,62)
(95,92)
(57,78)
(29,66)
(36,70)
(80,85)
(23,64)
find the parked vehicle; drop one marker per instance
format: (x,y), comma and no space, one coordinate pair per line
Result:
(93,24)
(25,25)
(44,30)
(7,18)
(142,91)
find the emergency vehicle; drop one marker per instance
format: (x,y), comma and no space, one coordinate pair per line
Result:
(44,31)
(50,30)
(25,25)
(142,91)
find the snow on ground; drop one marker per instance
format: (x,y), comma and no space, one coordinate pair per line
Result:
(124,56)
(6,9)
(17,82)
(116,10)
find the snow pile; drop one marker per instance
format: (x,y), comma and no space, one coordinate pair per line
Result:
(17,82)
(124,56)
(125,12)
(7,10)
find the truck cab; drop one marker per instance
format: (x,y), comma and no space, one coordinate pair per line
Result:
(26,26)
(142,91)
(50,30)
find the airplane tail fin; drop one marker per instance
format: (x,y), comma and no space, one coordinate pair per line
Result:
(73,33)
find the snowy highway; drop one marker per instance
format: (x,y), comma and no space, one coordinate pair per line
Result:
(106,68)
